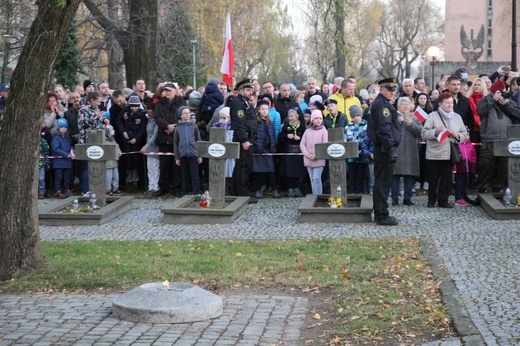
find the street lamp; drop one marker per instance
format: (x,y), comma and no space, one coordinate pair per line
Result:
(433,52)
(193,43)
(7,39)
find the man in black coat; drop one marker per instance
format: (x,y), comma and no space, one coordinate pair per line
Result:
(166,117)
(243,124)
(283,103)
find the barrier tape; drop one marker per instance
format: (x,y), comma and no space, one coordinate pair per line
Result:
(155,153)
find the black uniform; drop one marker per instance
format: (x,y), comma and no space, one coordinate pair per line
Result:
(385,132)
(243,124)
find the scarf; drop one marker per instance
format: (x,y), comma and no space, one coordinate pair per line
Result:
(447,115)
(314,127)
(295,127)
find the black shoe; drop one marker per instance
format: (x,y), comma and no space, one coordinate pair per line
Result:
(252,200)
(387,221)
(395,202)
(159,193)
(408,202)
(474,202)
(446,205)
(431,205)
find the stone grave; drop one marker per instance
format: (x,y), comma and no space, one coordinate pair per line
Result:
(336,151)
(165,302)
(222,209)
(97,151)
(492,202)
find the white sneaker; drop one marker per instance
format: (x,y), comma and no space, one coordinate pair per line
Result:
(425,186)
(86,194)
(417,185)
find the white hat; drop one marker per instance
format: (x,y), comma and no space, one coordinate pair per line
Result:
(225,111)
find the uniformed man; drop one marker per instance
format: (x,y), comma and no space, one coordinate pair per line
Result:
(243,124)
(385,132)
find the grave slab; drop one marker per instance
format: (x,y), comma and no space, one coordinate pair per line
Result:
(174,302)
(336,151)
(115,206)
(223,209)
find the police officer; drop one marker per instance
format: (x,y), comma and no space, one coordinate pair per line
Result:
(243,124)
(384,131)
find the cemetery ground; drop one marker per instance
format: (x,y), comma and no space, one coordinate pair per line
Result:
(380,292)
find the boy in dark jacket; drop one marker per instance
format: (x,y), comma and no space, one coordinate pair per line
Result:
(185,140)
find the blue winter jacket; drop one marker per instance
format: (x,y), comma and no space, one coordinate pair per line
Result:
(61,145)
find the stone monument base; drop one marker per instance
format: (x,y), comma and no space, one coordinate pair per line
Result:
(311,212)
(494,207)
(51,215)
(183,211)
(172,303)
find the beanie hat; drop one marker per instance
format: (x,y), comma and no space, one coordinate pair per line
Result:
(316,114)
(497,86)
(318,105)
(194,100)
(87,83)
(225,111)
(214,80)
(62,122)
(355,110)
(315,98)
(179,111)
(134,100)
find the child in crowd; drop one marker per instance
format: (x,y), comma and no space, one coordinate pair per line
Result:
(463,172)
(367,150)
(224,121)
(185,140)
(152,161)
(265,143)
(111,170)
(316,134)
(292,165)
(357,171)
(62,146)
(307,118)
(43,165)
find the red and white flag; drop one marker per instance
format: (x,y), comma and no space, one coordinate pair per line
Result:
(441,137)
(420,114)
(228,60)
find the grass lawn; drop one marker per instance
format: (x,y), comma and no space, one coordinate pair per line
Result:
(360,291)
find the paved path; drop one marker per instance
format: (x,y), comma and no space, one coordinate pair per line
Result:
(477,255)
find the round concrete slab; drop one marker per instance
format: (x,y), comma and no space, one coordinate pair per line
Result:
(157,303)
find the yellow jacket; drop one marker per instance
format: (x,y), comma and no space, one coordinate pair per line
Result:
(344,104)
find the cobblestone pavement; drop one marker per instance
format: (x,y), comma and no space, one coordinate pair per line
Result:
(474,253)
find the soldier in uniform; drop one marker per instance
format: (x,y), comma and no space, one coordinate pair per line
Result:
(385,132)
(243,124)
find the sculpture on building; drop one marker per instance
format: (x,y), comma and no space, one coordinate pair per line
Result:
(472,49)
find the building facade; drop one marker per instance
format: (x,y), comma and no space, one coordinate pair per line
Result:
(494,43)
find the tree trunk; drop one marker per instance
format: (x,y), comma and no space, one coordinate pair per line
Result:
(141,51)
(20,247)
(340,39)
(138,41)
(116,70)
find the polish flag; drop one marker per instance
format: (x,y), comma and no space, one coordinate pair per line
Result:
(441,137)
(228,60)
(420,114)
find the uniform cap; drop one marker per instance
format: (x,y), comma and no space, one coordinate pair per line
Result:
(388,83)
(329,101)
(262,103)
(246,83)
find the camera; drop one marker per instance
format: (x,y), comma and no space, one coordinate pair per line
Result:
(505,94)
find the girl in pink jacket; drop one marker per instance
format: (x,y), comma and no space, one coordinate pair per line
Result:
(315,134)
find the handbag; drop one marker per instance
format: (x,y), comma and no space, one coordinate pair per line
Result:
(455,154)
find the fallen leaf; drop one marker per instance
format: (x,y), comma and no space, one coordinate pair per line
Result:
(317,316)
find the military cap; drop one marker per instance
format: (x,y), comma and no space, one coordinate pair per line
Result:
(319,105)
(246,83)
(329,101)
(389,83)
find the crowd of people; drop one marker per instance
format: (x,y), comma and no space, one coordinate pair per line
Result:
(403,134)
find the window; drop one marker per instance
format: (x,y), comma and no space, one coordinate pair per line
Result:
(490,27)
(489,48)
